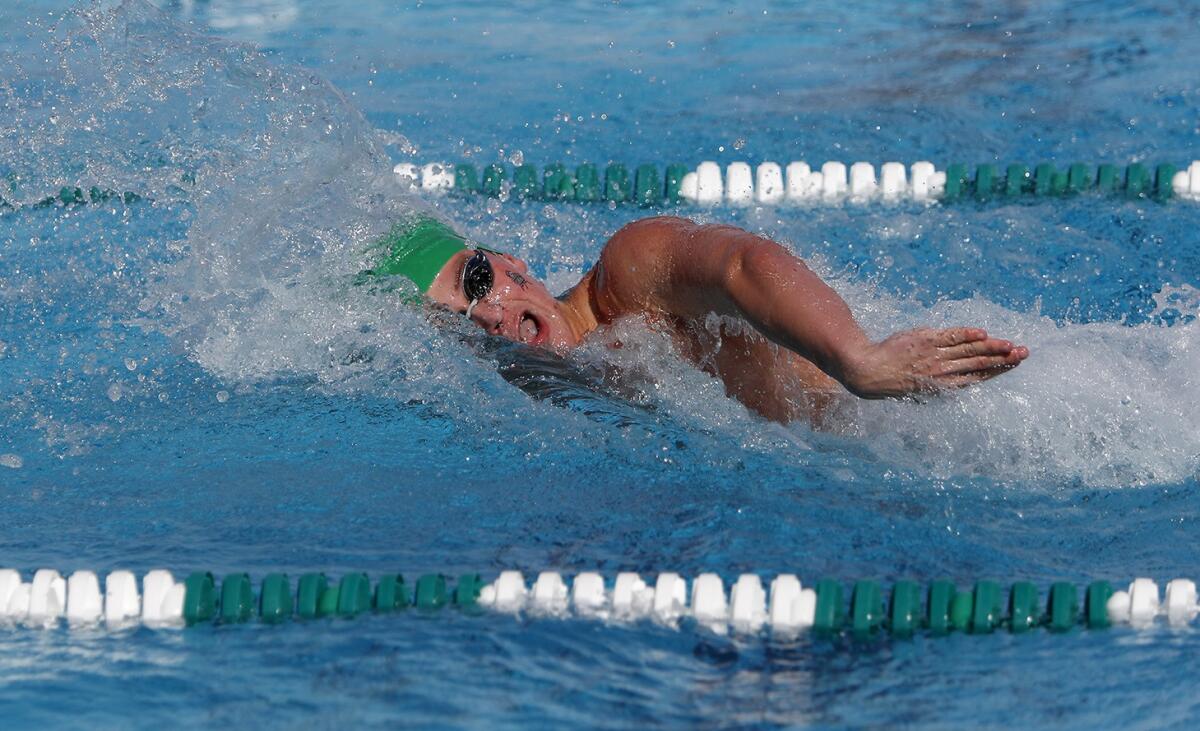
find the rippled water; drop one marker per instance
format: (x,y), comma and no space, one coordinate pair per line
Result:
(188,379)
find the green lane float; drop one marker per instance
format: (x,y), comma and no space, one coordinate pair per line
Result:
(354,595)
(829,608)
(774,184)
(308,595)
(1096,604)
(866,608)
(199,598)
(237,599)
(905,611)
(431,592)
(391,593)
(784,609)
(275,602)
(1023,609)
(466,592)
(1063,607)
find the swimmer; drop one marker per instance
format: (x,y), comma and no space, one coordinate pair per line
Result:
(802,351)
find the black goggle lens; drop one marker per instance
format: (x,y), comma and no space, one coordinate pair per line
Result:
(477,277)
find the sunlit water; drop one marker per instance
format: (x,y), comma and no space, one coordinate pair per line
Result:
(189,380)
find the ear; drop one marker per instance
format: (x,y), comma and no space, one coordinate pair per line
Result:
(515,263)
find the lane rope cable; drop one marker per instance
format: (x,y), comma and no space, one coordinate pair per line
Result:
(771,183)
(768,184)
(783,609)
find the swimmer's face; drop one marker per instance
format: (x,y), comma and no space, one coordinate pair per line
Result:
(516,306)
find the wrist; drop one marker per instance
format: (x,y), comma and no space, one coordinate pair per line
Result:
(854,367)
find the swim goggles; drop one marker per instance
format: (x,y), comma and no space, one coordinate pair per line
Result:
(477,279)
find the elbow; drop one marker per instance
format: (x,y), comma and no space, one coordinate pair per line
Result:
(754,262)
(747,269)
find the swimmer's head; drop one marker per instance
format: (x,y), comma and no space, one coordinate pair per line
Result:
(418,249)
(496,292)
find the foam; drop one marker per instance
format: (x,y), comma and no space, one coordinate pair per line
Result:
(1099,403)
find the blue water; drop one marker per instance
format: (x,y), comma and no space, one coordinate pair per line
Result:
(187,381)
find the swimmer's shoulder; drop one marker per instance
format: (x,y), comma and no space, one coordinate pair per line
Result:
(673,266)
(635,262)
(649,236)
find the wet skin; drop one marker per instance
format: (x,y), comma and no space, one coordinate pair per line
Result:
(803,346)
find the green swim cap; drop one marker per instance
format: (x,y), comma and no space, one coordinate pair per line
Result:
(418,249)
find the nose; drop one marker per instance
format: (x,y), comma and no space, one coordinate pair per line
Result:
(487,316)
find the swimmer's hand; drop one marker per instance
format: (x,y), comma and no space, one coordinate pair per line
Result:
(926,360)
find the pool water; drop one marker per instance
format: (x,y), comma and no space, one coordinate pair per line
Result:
(189,380)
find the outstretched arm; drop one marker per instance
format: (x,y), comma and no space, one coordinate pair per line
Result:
(678,267)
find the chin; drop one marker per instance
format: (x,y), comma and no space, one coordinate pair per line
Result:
(560,344)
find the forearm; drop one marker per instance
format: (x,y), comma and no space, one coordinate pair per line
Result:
(789,304)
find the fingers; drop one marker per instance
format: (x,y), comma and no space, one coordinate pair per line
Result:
(988,346)
(952,336)
(968,379)
(978,361)
(976,364)
(973,352)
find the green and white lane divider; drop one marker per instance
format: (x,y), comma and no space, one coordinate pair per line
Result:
(785,608)
(771,183)
(768,184)
(74,195)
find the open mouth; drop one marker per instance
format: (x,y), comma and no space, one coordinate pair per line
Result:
(530,330)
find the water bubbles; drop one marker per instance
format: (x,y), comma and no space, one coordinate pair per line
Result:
(222,396)
(11,461)
(739,143)
(1180,301)
(114,392)
(131,364)
(1101,403)
(517,158)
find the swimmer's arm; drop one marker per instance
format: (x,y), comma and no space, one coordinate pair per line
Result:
(690,270)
